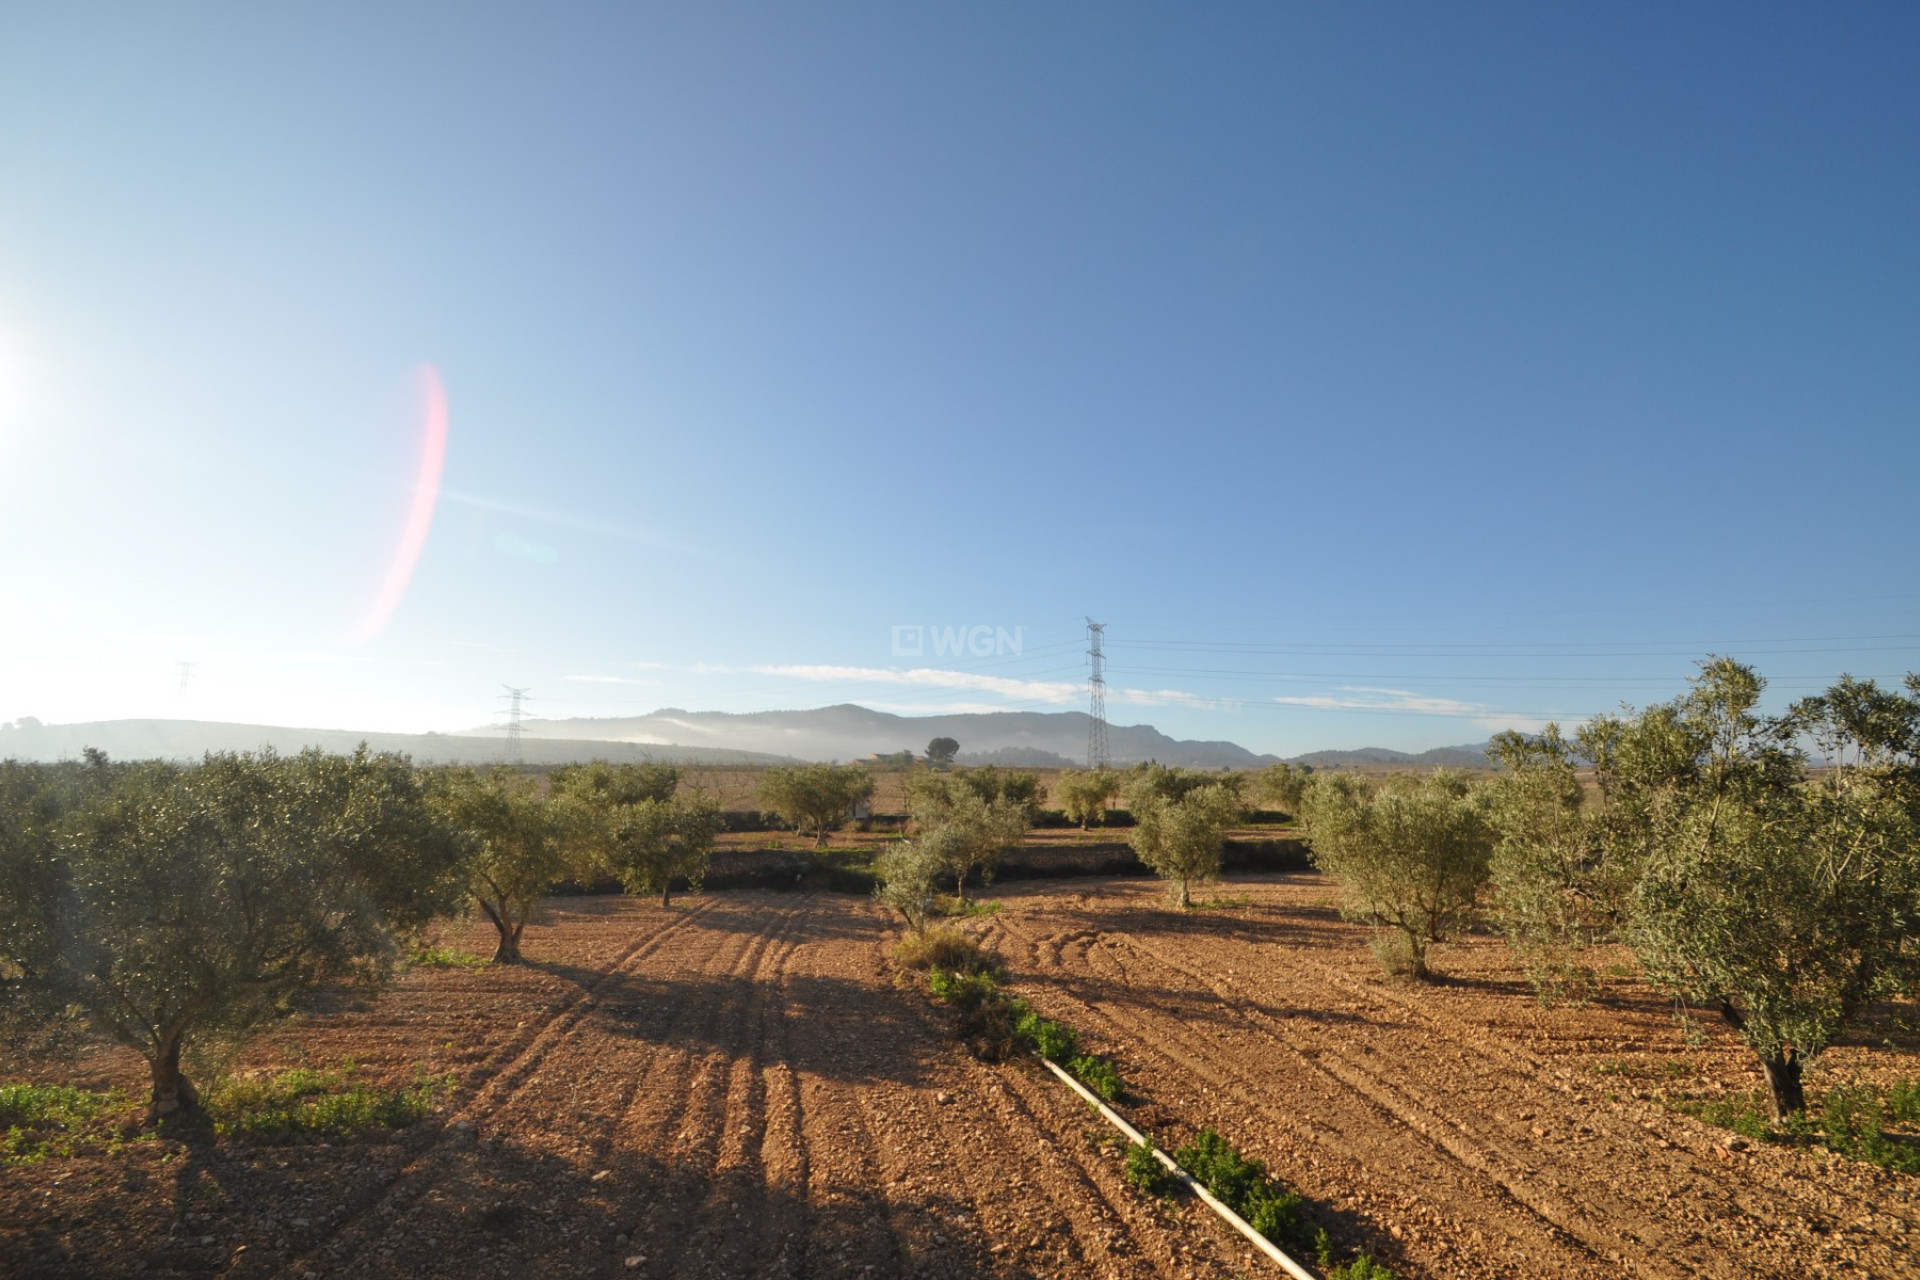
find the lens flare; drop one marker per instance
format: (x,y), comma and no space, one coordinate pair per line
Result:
(426,493)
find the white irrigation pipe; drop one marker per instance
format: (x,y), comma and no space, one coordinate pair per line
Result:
(1227,1215)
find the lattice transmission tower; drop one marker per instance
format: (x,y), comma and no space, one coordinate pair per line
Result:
(1096,696)
(514,697)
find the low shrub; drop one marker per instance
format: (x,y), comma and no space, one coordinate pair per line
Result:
(1395,954)
(1903,1100)
(1362,1268)
(995,1024)
(964,991)
(1145,1173)
(946,949)
(985,1016)
(1243,1186)
(1853,1120)
(1046,1037)
(1100,1075)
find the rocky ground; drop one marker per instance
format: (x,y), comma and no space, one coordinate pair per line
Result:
(743,1086)
(1455,1128)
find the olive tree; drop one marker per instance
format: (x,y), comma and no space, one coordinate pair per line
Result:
(1557,885)
(1085,794)
(815,797)
(520,845)
(1151,782)
(1410,855)
(1180,836)
(193,905)
(601,783)
(636,823)
(1282,785)
(36,915)
(1018,786)
(965,833)
(658,841)
(909,874)
(1785,898)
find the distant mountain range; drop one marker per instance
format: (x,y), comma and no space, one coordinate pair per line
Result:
(1471,756)
(1030,739)
(849,732)
(191,739)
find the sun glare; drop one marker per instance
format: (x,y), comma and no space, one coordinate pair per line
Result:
(426,494)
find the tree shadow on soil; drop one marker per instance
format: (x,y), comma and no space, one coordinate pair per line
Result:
(494,1208)
(1295,926)
(1189,1005)
(837,1028)
(825,916)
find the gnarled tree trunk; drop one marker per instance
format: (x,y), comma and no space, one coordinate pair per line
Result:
(1783,1084)
(173,1093)
(508,949)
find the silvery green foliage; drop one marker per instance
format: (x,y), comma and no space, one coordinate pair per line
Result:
(1084,794)
(909,872)
(1555,888)
(634,822)
(965,833)
(1179,835)
(1410,854)
(1788,897)
(815,797)
(183,906)
(521,843)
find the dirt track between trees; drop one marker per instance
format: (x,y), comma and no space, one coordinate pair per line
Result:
(738,1087)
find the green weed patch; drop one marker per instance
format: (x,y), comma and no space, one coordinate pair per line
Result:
(42,1120)
(446,958)
(1862,1122)
(305,1101)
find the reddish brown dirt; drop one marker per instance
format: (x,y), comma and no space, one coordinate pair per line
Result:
(1455,1128)
(740,1087)
(731,1088)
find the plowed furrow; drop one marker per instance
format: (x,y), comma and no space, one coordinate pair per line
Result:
(412,1191)
(1556,1167)
(1208,1077)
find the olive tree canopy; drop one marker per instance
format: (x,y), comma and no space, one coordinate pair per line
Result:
(1180,835)
(1788,898)
(815,797)
(180,905)
(1410,854)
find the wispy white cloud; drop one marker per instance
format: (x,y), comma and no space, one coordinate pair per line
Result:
(1371,698)
(931,677)
(1057,692)
(1169,698)
(1411,702)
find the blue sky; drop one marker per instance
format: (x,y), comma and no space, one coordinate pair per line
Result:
(1380,374)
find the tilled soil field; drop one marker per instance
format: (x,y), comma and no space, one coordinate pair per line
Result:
(1455,1128)
(735,1087)
(742,1086)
